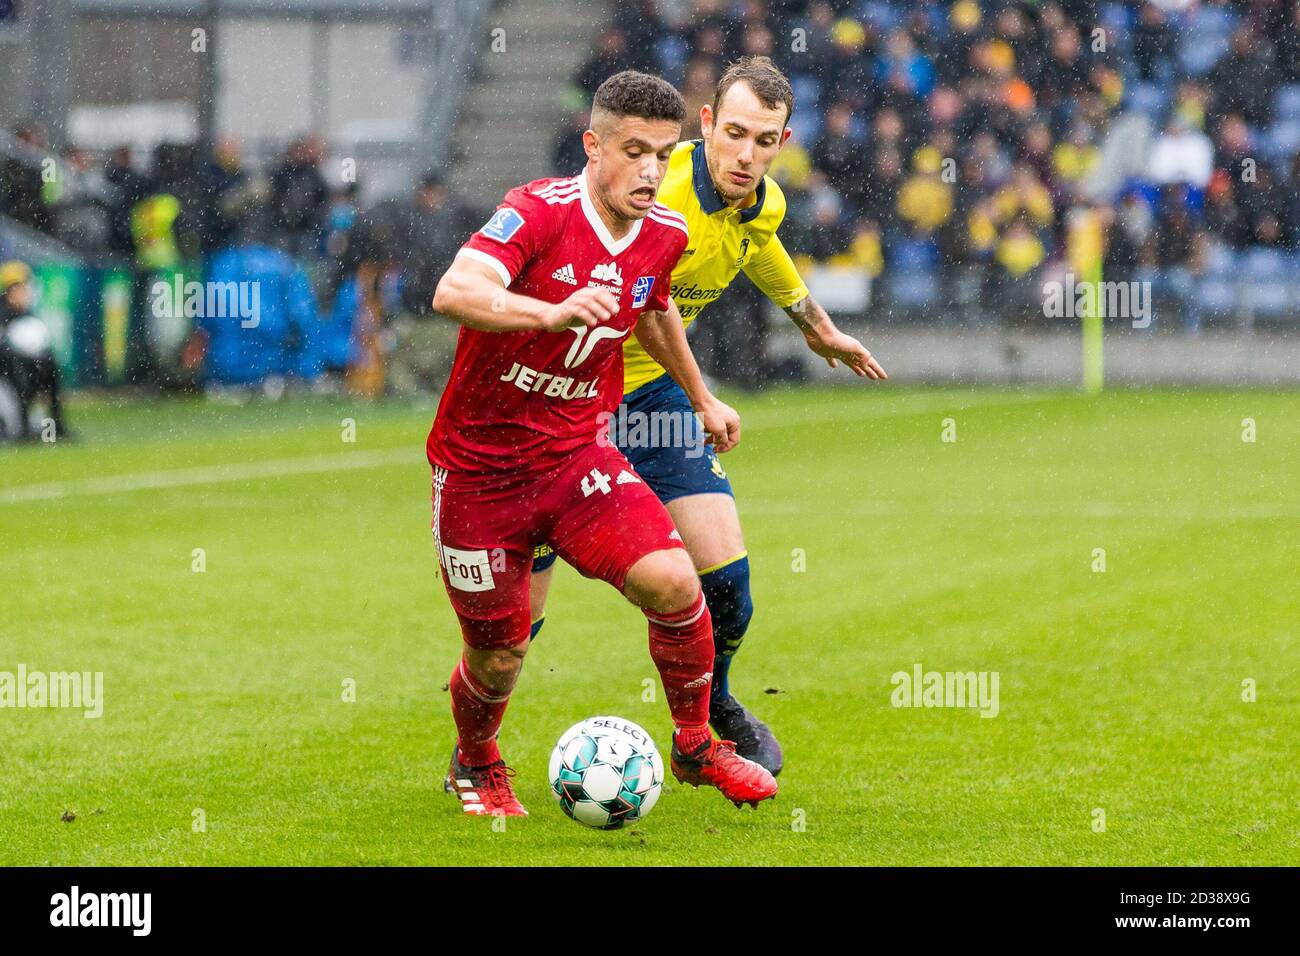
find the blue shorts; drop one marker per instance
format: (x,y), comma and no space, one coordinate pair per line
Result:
(668,451)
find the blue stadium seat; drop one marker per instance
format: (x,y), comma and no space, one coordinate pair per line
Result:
(806,127)
(1264,262)
(670,54)
(1149,98)
(1217,294)
(1118,18)
(1266,280)
(913,255)
(1216,21)
(1217,290)
(1220,259)
(1280,141)
(883,16)
(1198,53)
(1286,105)
(913,288)
(807,90)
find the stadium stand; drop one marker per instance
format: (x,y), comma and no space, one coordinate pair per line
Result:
(939,152)
(1030,100)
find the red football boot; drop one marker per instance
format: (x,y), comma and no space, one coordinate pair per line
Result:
(716,764)
(483,791)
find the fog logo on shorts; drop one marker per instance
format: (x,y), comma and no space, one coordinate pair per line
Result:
(467,570)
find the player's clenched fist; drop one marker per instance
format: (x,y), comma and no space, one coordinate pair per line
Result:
(585,307)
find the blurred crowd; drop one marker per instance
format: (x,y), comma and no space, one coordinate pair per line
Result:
(338,285)
(949,140)
(942,148)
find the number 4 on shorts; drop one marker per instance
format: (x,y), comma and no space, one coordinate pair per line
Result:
(596,481)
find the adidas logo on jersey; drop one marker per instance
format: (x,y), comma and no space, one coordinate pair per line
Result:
(565,274)
(626,477)
(607,272)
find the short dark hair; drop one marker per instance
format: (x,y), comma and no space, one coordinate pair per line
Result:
(762,76)
(641,95)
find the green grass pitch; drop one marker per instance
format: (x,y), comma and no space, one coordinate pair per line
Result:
(876,545)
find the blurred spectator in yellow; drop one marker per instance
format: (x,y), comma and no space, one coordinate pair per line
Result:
(1024,195)
(1020,251)
(925,201)
(1075,156)
(865,251)
(792,167)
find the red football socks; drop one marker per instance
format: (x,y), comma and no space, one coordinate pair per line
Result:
(681,645)
(478,714)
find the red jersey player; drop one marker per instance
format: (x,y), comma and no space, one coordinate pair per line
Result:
(546,292)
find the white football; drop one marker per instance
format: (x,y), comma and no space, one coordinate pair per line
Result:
(606,772)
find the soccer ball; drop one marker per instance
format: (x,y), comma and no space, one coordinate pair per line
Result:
(605,772)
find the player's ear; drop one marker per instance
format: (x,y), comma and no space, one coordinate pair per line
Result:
(706,120)
(591,144)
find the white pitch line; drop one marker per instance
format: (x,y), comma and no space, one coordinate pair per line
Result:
(348,461)
(211,474)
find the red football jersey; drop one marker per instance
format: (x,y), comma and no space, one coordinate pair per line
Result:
(522,401)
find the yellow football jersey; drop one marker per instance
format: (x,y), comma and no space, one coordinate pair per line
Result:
(723,241)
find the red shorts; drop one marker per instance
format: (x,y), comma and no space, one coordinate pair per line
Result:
(593,510)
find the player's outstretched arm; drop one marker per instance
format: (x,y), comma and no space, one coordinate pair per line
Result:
(472,294)
(774,272)
(663,336)
(830,343)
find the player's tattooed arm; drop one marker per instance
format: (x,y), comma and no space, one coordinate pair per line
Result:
(830,343)
(663,336)
(472,294)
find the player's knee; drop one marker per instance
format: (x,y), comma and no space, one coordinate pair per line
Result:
(498,668)
(671,584)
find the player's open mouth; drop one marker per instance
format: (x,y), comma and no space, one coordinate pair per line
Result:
(643,198)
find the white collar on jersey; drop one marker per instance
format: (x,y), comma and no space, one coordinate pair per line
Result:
(612,246)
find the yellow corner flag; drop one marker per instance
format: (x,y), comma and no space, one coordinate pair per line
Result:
(1085,245)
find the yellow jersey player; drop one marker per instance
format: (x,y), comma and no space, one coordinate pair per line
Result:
(733,210)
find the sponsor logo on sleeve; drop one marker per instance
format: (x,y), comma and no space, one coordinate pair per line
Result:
(505,222)
(641,291)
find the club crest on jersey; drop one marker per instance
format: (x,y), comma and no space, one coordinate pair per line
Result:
(607,272)
(505,222)
(744,251)
(641,291)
